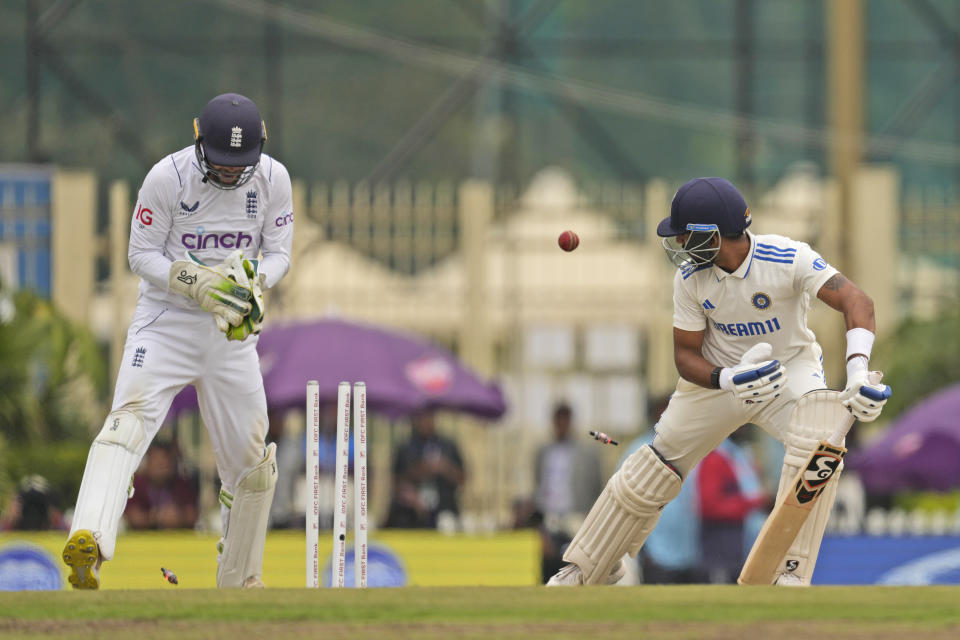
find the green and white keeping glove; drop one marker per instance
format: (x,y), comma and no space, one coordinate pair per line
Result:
(224,289)
(253,321)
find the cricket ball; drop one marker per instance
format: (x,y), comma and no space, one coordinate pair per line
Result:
(568,240)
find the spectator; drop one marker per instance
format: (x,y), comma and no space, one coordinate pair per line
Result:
(286,512)
(163,497)
(35,507)
(568,472)
(427,475)
(729,491)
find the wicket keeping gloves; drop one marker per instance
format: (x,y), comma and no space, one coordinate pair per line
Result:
(253,321)
(757,378)
(224,289)
(864,396)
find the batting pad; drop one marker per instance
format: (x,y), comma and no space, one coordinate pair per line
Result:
(106,484)
(624,515)
(814,418)
(246,528)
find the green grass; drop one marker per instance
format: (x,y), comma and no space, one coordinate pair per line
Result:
(930,613)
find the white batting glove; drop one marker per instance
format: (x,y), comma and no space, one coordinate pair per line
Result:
(757,378)
(224,289)
(252,323)
(864,396)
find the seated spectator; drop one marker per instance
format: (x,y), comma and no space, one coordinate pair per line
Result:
(35,507)
(286,511)
(427,475)
(163,497)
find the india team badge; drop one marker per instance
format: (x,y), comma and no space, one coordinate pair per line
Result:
(761,301)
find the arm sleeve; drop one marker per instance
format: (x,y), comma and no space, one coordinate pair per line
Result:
(152,220)
(810,270)
(687,312)
(277,231)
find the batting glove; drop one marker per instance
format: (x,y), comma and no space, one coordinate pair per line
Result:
(864,396)
(757,378)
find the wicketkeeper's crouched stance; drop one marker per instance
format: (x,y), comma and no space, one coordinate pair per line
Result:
(744,354)
(198,314)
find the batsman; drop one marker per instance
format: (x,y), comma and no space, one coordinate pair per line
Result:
(744,354)
(212,228)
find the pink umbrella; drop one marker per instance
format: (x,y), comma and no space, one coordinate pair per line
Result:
(404,373)
(920,451)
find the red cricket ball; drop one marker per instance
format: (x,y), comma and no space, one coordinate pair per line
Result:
(568,240)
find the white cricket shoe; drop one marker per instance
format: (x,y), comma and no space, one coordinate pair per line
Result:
(789,580)
(82,555)
(253,582)
(571,576)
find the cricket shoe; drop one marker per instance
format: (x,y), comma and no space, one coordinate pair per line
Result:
(253,582)
(571,575)
(82,555)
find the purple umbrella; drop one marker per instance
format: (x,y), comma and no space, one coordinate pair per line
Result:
(920,451)
(404,373)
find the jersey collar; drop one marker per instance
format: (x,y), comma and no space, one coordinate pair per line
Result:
(744,269)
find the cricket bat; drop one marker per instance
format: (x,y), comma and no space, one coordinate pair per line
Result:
(784,522)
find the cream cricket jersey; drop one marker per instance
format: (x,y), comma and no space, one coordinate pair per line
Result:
(177,212)
(765,300)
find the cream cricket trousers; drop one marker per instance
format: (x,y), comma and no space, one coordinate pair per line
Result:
(168,348)
(697,420)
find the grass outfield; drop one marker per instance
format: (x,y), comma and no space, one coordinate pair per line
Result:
(756,613)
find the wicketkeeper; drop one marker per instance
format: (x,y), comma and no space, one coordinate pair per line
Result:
(204,216)
(744,354)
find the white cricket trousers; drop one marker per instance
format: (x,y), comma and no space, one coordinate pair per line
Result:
(697,420)
(168,348)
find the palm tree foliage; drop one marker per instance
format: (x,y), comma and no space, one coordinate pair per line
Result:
(53,377)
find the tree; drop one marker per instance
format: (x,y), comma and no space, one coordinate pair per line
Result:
(921,357)
(52,386)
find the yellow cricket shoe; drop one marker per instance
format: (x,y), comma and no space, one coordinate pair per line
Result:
(82,555)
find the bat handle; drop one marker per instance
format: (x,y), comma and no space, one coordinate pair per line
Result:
(836,438)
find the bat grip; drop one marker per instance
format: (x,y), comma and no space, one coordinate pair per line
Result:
(836,438)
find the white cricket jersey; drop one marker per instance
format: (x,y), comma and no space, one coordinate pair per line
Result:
(765,300)
(177,212)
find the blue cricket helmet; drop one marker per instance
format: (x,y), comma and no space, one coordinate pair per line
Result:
(229,133)
(706,201)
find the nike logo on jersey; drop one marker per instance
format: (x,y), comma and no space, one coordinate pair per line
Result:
(188,209)
(748,328)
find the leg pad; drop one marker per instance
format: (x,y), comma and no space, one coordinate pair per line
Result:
(624,514)
(241,559)
(105,487)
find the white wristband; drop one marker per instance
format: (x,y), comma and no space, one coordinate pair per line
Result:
(859,343)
